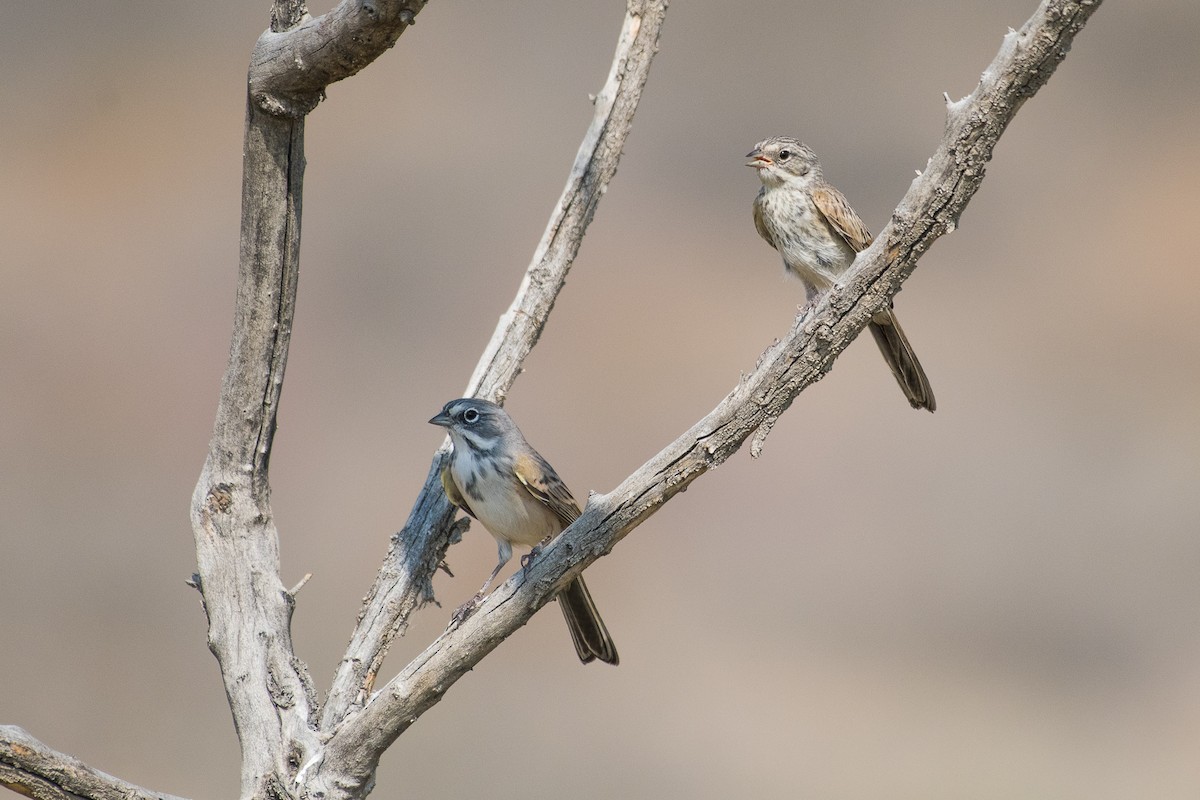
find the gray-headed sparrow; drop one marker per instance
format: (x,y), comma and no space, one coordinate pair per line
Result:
(495,476)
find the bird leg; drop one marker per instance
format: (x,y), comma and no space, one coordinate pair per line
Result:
(468,608)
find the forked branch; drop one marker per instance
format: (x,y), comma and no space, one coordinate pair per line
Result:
(286,750)
(930,208)
(404,581)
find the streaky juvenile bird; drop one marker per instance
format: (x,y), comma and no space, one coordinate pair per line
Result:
(818,235)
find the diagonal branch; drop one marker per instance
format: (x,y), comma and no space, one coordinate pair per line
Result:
(404,581)
(930,208)
(31,768)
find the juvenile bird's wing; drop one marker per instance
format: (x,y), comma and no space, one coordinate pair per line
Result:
(758,218)
(833,206)
(541,481)
(452,492)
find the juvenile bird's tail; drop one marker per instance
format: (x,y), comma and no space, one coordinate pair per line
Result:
(903,361)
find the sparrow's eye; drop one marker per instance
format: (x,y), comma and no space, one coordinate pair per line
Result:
(784,155)
(470,416)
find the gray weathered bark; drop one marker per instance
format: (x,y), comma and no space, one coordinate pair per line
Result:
(289,748)
(30,768)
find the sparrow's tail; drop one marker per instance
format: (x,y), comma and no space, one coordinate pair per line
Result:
(587,629)
(903,361)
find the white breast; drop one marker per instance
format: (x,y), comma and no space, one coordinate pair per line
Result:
(503,505)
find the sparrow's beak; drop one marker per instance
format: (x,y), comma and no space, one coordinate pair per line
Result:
(757,159)
(442,420)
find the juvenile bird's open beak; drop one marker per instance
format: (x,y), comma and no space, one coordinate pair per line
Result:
(442,420)
(757,159)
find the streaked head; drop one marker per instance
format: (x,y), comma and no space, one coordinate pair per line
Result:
(782,159)
(478,424)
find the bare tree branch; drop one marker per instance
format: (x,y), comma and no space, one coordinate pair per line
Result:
(299,56)
(285,753)
(931,207)
(237,546)
(31,768)
(403,584)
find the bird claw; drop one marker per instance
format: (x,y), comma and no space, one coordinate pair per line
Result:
(464,612)
(535,551)
(527,559)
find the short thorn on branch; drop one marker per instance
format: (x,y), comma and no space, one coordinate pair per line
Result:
(292,592)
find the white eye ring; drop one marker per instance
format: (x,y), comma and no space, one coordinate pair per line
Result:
(470,416)
(784,155)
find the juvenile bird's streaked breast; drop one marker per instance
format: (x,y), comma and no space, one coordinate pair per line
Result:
(791,223)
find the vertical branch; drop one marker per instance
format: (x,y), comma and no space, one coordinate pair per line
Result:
(237,545)
(404,581)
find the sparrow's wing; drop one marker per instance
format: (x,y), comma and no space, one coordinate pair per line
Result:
(541,481)
(832,204)
(758,218)
(452,492)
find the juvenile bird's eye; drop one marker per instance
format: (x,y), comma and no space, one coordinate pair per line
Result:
(470,416)
(784,155)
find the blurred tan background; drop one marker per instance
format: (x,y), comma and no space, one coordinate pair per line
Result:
(1000,600)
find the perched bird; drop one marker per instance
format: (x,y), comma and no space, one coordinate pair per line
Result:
(818,234)
(495,476)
